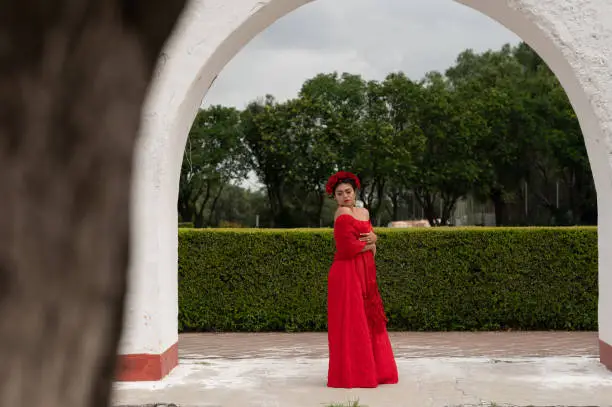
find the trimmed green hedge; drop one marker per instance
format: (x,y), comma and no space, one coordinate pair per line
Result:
(430,279)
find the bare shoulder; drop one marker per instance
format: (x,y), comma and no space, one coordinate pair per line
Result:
(364,213)
(342,211)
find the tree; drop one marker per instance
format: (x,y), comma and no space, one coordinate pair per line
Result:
(214,156)
(315,157)
(495,122)
(240,207)
(337,105)
(448,166)
(269,137)
(494,80)
(562,155)
(352,115)
(401,98)
(66,152)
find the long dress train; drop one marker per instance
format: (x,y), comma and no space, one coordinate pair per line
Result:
(360,353)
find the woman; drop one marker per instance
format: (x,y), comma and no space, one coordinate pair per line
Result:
(360,353)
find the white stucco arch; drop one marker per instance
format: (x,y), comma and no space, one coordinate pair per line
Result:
(574,37)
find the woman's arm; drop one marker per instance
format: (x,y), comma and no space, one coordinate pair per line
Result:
(347,242)
(369,237)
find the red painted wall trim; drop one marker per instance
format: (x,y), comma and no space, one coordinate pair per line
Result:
(605,354)
(146,367)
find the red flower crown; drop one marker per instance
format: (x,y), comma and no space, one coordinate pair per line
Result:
(333,181)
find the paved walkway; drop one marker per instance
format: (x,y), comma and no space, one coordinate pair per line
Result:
(436,369)
(405,344)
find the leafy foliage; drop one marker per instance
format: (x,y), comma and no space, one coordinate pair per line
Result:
(214,156)
(492,124)
(435,280)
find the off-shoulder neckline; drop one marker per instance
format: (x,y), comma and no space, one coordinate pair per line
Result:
(352,217)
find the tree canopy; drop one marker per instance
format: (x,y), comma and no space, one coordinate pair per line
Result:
(496,126)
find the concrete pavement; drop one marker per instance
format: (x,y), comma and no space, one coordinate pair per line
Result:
(436,369)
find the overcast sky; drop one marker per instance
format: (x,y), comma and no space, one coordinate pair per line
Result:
(368,37)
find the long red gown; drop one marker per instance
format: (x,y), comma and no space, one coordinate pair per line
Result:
(360,353)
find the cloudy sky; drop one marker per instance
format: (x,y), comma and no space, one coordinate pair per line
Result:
(368,37)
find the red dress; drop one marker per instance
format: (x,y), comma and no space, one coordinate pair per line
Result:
(360,353)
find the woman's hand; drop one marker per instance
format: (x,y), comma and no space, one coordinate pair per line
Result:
(369,238)
(369,248)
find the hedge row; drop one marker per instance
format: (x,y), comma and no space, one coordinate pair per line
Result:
(430,279)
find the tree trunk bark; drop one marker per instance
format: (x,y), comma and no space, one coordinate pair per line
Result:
(448,208)
(429,210)
(500,208)
(199,212)
(213,206)
(430,215)
(395,206)
(375,209)
(73,77)
(281,215)
(320,204)
(186,211)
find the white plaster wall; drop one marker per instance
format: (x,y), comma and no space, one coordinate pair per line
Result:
(572,36)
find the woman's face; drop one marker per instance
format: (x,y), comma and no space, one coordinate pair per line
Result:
(345,195)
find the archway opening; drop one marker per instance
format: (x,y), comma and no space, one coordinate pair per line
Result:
(490,140)
(254,23)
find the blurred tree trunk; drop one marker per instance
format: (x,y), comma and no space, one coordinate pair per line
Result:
(73,77)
